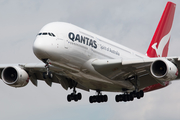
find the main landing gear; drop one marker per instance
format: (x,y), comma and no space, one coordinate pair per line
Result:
(98,98)
(74,96)
(129,96)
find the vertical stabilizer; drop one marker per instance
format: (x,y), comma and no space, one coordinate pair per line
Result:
(160,42)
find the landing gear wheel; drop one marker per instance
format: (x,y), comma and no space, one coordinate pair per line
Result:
(131,95)
(98,98)
(138,95)
(141,92)
(69,98)
(117,98)
(105,98)
(75,98)
(92,99)
(50,75)
(79,96)
(124,97)
(44,75)
(47,75)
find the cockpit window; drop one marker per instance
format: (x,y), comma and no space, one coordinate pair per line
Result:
(50,34)
(53,35)
(45,33)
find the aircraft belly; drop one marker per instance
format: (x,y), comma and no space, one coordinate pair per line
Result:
(98,82)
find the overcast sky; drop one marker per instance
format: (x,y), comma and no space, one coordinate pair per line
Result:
(128,22)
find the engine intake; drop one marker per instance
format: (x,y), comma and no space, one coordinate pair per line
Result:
(15,76)
(164,70)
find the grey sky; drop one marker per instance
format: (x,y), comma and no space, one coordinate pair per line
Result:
(128,22)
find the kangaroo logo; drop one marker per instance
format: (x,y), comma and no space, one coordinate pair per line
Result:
(156,49)
(162,44)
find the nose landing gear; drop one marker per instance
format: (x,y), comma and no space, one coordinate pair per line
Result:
(48,74)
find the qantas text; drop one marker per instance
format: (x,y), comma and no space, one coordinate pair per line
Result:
(82,39)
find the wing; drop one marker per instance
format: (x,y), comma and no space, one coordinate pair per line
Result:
(38,71)
(123,70)
(113,69)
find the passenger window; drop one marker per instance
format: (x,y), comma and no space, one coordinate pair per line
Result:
(49,34)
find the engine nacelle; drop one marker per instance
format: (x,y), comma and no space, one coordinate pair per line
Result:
(164,70)
(15,76)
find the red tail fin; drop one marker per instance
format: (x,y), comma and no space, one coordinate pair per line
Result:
(160,42)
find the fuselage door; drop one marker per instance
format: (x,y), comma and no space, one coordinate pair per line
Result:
(66,43)
(61,40)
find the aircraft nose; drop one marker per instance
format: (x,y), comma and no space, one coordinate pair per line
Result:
(40,48)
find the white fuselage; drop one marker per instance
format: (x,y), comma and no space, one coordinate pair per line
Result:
(72,49)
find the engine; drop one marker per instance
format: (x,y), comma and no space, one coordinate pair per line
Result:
(164,70)
(15,76)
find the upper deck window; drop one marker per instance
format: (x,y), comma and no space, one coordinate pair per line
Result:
(45,33)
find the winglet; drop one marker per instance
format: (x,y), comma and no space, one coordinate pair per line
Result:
(160,42)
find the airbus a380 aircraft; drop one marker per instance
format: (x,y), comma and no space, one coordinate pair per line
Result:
(77,58)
